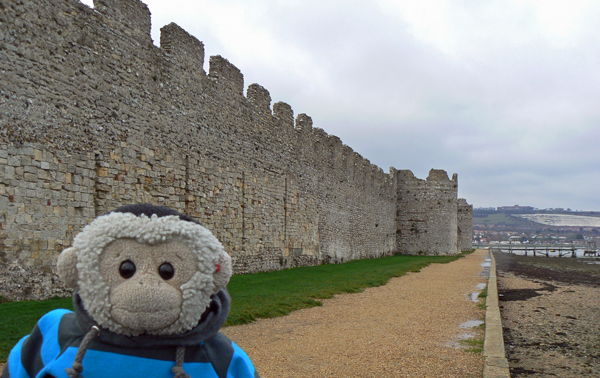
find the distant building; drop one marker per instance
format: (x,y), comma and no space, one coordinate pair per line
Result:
(515,208)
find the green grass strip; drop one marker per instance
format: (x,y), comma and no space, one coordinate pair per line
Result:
(17,319)
(473,345)
(260,295)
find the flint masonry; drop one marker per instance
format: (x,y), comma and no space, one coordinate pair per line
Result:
(93,115)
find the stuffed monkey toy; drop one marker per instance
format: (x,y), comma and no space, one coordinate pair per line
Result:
(149,299)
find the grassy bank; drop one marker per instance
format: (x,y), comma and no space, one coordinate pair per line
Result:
(261,295)
(502,219)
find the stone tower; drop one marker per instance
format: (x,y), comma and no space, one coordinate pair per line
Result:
(426,215)
(465,225)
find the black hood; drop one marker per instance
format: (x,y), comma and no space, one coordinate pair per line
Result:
(210,323)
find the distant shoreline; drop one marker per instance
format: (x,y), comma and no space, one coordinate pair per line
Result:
(549,314)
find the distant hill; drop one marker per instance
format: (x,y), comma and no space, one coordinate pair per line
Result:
(563,220)
(479,211)
(496,219)
(525,217)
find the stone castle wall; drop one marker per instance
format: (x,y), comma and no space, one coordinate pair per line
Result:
(93,116)
(465,225)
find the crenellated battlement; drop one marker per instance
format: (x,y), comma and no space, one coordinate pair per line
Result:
(440,175)
(94,116)
(228,76)
(304,123)
(134,15)
(260,97)
(284,113)
(335,144)
(319,134)
(182,47)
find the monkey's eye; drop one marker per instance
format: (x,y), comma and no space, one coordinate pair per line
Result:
(166,271)
(127,269)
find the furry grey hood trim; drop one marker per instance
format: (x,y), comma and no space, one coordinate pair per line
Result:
(211,321)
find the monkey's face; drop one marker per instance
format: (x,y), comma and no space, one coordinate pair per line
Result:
(145,275)
(145,282)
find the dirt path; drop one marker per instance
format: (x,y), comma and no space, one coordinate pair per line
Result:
(410,327)
(550,315)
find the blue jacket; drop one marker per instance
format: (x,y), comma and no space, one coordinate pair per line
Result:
(51,348)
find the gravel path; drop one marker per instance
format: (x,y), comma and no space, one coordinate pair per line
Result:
(410,327)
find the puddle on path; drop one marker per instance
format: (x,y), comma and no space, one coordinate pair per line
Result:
(471,324)
(461,337)
(475,294)
(487,264)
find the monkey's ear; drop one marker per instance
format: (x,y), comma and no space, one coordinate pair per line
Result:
(222,271)
(67,267)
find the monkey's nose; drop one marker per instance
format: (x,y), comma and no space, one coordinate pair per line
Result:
(148,280)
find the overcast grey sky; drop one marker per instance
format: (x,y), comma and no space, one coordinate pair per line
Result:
(503,92)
